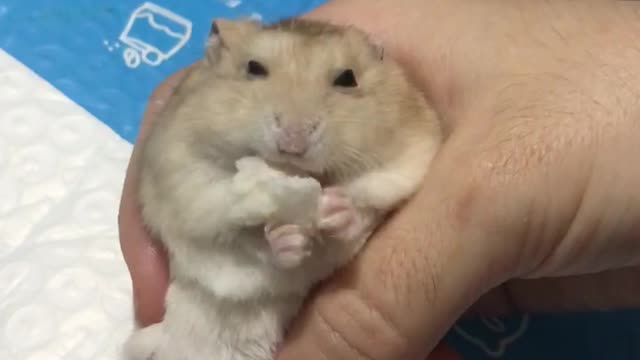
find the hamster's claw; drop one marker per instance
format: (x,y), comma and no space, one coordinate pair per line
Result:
(288,243)
(338,217)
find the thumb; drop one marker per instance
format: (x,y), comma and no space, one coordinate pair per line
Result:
(146,262)
(416,276)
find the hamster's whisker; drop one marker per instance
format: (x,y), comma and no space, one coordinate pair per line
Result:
(241,127)
(369,160)
(349,161)
(352,121)
(356,160)
(339,172)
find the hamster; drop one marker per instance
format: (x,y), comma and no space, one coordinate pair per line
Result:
(272,164)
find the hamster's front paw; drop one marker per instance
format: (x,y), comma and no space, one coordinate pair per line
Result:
(153,343)
(338,217)
(144,343)
(289,245)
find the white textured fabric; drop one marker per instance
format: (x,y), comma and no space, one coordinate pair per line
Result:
(64,288)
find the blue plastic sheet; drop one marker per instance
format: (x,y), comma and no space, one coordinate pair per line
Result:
(108,55)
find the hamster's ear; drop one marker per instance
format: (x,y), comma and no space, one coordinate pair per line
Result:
(361,40)
(377,49)
(228,34)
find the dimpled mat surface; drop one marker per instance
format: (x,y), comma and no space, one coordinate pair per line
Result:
(74,79)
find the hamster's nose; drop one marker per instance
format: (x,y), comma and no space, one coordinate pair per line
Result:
(294,137)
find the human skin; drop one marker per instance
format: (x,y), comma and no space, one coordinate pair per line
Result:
(531,204)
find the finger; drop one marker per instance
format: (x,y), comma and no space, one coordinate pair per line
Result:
(416,276)
(442,352)
(608,290)
(146,262)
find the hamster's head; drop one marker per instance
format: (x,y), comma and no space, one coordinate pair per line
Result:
(303,94)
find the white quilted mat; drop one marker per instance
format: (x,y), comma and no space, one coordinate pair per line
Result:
(64,288)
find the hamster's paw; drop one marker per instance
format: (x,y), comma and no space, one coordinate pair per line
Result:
(338,217)
(288,243)
(144,343)
(153,343)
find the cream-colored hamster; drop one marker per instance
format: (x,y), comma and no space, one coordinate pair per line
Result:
(272,164)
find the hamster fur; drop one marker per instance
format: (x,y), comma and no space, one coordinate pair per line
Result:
(310,99)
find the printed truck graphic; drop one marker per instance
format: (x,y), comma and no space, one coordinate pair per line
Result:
(153,34)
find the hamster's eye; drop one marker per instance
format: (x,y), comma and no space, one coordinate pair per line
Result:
(256,69)
(346,79)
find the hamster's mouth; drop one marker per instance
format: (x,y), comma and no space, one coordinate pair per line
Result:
(288,168)
(296,167)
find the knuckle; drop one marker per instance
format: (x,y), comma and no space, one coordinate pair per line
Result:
(355,329)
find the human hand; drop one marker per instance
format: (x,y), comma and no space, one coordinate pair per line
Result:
(145,259)
(532,181)
(530,204)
